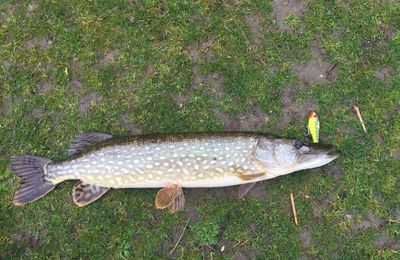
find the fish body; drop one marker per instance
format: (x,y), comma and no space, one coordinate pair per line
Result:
(171,162)
(156,161)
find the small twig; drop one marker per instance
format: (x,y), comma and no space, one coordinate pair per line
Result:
(241,243)
(357,110)
(180,237)
(294,209)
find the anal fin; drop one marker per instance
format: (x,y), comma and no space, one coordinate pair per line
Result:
(85,193)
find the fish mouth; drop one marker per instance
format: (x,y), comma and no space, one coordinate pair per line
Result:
(323,149)
(334,153)
(317,155)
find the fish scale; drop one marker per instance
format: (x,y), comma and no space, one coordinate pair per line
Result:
(156,165)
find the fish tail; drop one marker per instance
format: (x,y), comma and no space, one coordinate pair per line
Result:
(31,170)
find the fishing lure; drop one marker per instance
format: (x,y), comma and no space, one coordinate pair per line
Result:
(313,127)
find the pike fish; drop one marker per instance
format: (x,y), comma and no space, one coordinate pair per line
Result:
(169,161)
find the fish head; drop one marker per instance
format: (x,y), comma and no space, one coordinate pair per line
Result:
(314,155)
(283,156)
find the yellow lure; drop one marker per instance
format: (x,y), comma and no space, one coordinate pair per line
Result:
(313,127)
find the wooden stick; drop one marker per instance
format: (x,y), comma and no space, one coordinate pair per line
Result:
(294,209)
(180,237)
(357,110)
(241,243)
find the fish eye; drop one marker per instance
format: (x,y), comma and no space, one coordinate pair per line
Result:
(298,144)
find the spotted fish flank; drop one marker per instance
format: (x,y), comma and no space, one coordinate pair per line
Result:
(120,166)
(172,162)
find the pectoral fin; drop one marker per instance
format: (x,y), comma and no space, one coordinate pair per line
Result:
(85,193)
(245,188)
(166,196)
(179,203)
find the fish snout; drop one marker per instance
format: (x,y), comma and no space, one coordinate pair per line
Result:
(323,149)
(316,155)
(334,153)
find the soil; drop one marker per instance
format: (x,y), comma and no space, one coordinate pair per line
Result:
(384,241)
(259,191)
(247,254)
(109,57)
(88,100)
(232,251)
(252,21)
(9,10)
(322,204)
(292,111)
(201,51)
(317,212)
(41,43)
(56,119)
(6,105)
(316,70)
(214,81)
(384,74)
(30,238)
(168,244)
(380,139)
(44,87)
(369,221)
(179,101)
(305,237)
(38,112)
(31,8)
(75,85)
(283,8)
(197,194)
(149,72)
(131,127)
(191,211)
(254,119)
(333,171)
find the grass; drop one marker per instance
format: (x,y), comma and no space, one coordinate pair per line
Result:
(127,66)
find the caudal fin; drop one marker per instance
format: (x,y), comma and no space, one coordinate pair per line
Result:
(33,184)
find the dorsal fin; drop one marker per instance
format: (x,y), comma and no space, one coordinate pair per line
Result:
(84,140)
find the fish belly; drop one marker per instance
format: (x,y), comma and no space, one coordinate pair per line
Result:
(188,163)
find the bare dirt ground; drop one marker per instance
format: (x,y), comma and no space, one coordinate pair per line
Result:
(285,8)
